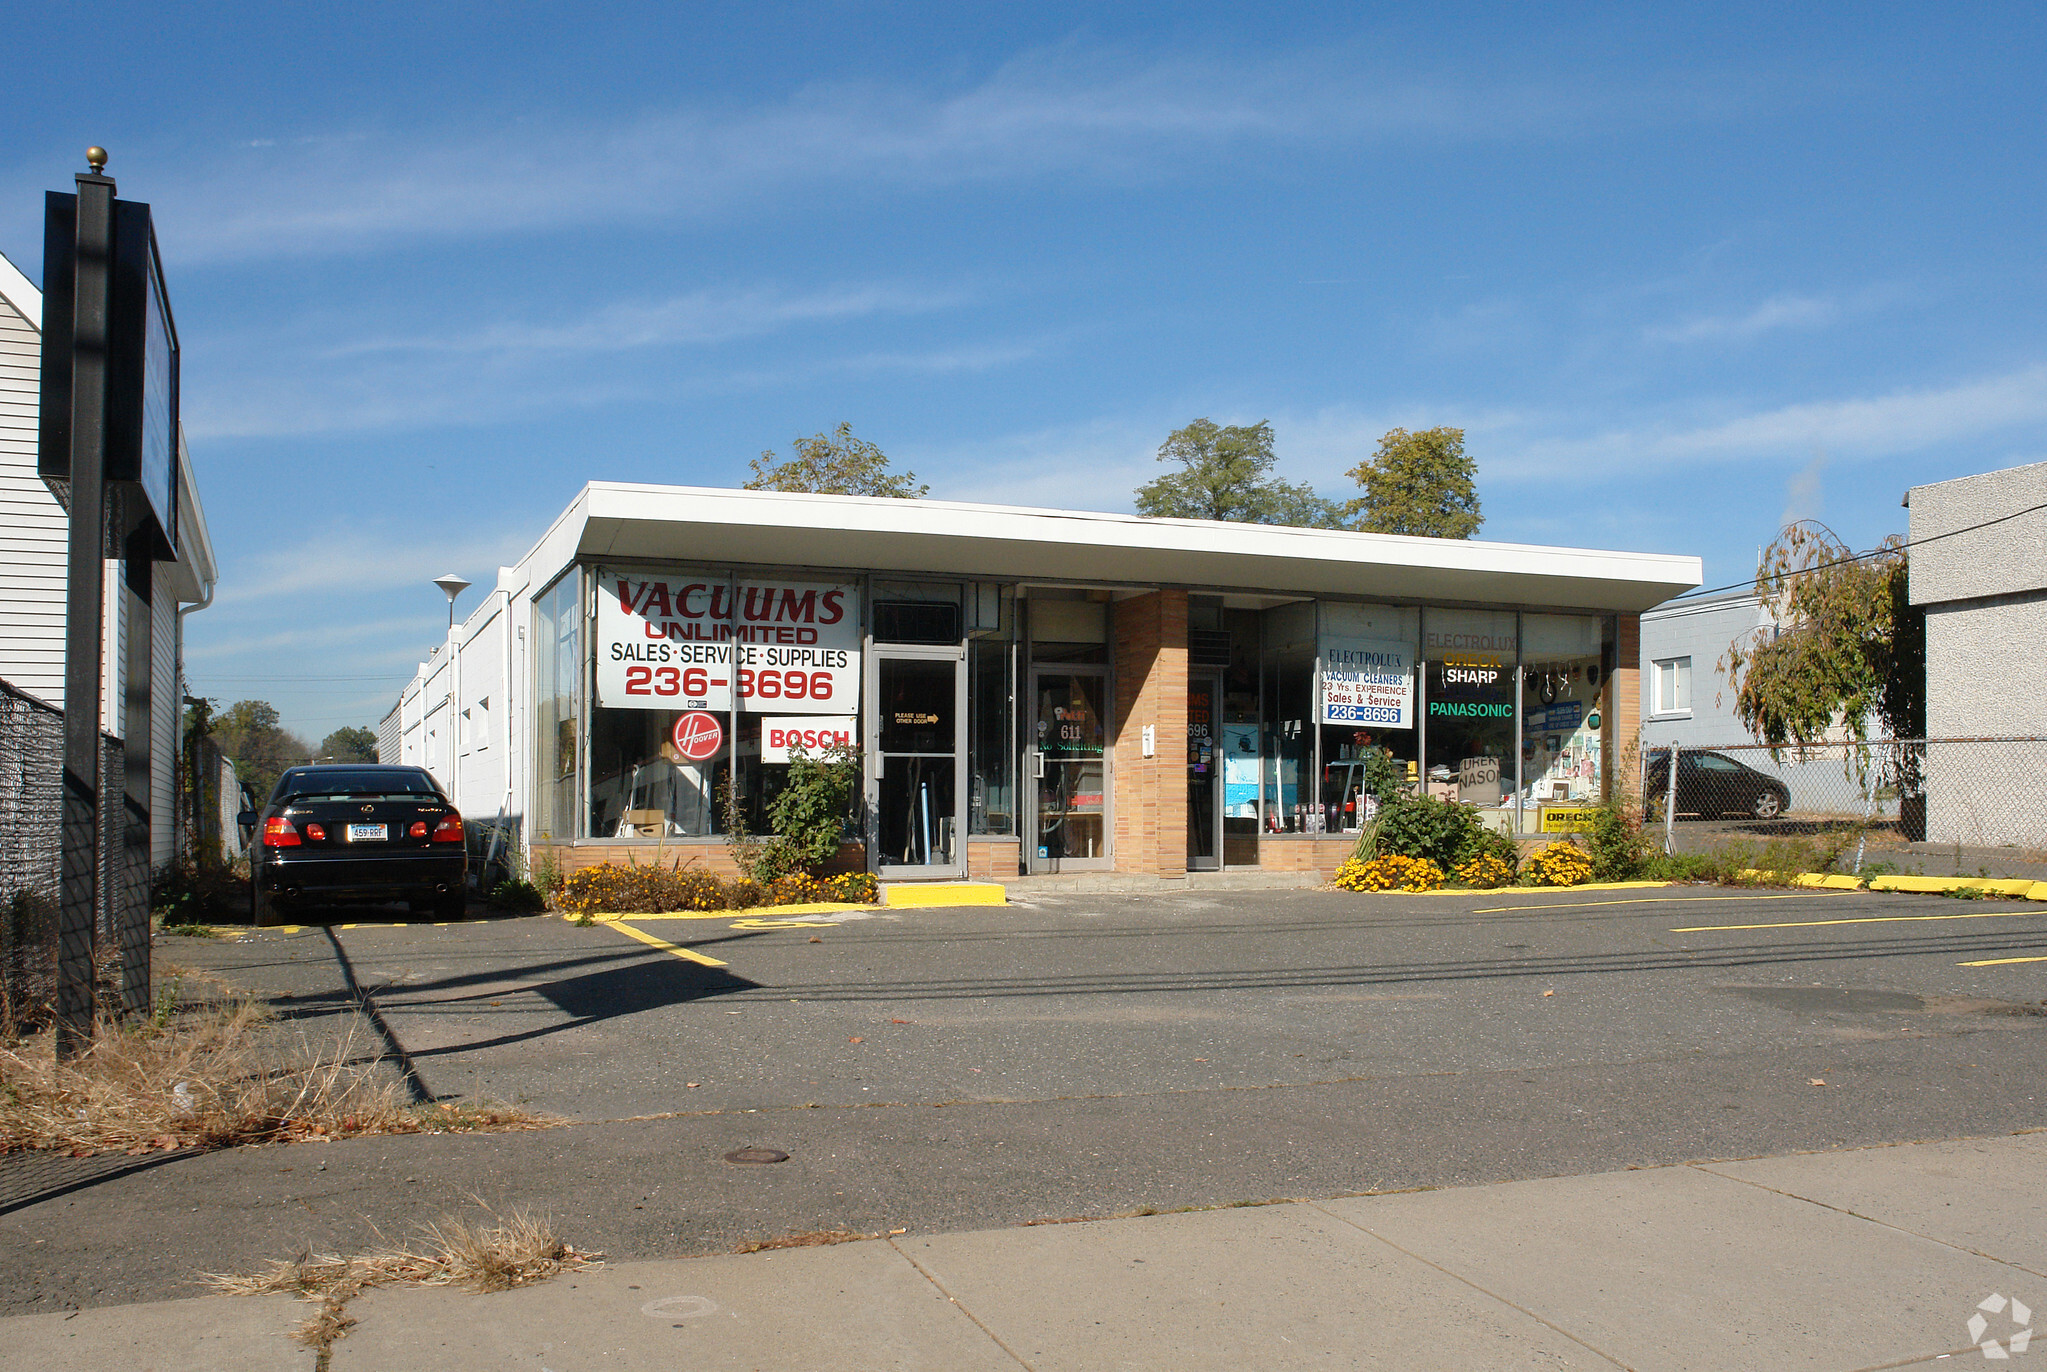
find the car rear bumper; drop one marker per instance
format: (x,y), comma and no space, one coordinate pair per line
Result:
(352,876)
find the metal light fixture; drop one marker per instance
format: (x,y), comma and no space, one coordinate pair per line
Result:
(454,586)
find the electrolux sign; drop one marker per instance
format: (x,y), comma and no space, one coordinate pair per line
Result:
(669,643)
(1367,681)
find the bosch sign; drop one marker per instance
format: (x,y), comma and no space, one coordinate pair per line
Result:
(812,733)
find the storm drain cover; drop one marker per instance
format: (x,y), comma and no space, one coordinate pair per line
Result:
(756,1155)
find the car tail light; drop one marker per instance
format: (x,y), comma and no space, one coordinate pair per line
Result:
(278,833)
(316,833)
(418,829)
(449,830)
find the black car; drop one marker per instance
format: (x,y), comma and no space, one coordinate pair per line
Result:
(1712,784)
(356,832)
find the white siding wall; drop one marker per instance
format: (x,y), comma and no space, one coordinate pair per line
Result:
(479,726)
(32,526)
(166,707)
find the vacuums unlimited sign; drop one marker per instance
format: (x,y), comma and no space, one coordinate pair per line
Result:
(685,643)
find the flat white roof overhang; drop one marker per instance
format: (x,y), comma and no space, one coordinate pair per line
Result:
(628,523)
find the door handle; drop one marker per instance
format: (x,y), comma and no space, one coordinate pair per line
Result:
(1037,765)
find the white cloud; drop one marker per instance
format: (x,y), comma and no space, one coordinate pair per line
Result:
(697,317)
(292,381)
(1779,312)
(336,564)
(1804,491)
(1065,111)
(1860,428)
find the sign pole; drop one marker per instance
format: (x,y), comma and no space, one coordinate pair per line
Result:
(84,613)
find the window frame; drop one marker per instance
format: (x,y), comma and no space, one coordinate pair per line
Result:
(1680,685)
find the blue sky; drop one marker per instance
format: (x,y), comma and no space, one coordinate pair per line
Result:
(1680,274)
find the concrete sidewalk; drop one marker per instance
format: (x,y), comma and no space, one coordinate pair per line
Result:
(1872,1258)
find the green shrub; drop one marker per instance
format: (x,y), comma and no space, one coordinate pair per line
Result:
(517,897)
(611,889)
(1442,831)
(1620,849)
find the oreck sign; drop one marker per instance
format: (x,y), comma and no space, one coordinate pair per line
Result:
(679,643)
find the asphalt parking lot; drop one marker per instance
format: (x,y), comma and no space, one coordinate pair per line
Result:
(1094,1055)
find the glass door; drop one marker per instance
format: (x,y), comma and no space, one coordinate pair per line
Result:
(1068,766)
(917,784)
(1204,772)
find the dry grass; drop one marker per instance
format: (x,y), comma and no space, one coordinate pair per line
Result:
(817,1238)
(211,1076)
(517,1251)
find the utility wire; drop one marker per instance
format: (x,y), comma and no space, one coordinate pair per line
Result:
(1874,552)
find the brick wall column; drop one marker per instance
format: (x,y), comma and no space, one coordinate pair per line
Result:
(1150,634)
(1621,731)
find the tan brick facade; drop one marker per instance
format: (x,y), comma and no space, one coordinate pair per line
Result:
(1305,853)
(1150,636)
(1620,733)
(994,857)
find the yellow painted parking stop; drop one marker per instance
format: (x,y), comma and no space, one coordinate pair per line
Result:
(686,954)
(1857,919)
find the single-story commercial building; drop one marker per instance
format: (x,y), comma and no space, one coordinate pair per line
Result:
(1980,573)
(1028,690)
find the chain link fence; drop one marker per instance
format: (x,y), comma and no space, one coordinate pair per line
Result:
(31,829)
(1923,806)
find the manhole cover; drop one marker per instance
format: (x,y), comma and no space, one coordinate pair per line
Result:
(756,1155)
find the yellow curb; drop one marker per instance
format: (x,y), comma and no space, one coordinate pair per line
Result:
(1832,881)
(815,907)
(939,894)
(2037,891)
(1495,890)
(2019,887)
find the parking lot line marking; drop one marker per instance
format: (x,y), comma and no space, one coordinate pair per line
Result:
(686,954)
(1999,962)
(1653,900)
(783,924)
(1859,919)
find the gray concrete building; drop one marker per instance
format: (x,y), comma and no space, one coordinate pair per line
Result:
(1979,570)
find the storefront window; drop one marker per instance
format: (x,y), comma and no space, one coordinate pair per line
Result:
(1563,675)
(1244,800)
(699,672)
(1469,658)
(1369,703)
(1290,806)
(991,704)
(557,669)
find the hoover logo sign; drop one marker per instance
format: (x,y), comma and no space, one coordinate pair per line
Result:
(678,643)
(812,733)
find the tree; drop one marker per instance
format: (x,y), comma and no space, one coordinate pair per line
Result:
(835,464)
(1223,475)
(1417,483)
(249,732)
(350,744)
(1849,649)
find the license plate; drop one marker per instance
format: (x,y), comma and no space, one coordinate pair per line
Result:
(366,833)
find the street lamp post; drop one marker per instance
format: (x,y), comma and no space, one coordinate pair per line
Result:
(453,585)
